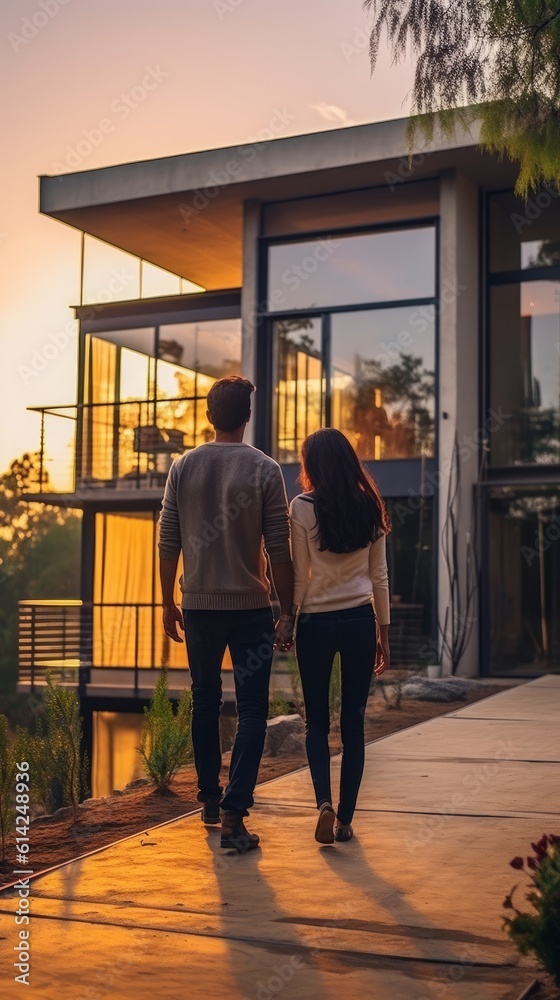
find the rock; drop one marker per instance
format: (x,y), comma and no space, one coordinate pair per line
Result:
(284,734)
(439,689)
(138,782)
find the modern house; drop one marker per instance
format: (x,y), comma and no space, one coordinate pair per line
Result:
(414,305)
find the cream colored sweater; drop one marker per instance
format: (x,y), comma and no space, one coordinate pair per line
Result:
(331,581)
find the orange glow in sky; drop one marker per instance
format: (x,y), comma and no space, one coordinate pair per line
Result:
(223,67)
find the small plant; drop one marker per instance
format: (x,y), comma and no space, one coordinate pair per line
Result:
(278,704)
(7,786)
(539,932)
(166,741)
(54,750)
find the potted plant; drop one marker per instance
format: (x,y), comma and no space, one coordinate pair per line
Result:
(433,670)
(539,931)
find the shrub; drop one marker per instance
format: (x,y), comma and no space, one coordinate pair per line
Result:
(278,704)
(54,750)
(539,932)
(166,741)
(7,785)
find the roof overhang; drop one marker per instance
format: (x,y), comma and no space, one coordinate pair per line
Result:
(185,213)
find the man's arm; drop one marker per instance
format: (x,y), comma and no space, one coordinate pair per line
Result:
(171,614)
(169,549)
(276,533)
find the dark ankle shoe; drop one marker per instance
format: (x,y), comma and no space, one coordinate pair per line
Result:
(211,812)
(325,823)
(235,834)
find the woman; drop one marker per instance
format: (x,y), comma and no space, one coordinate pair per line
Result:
(338,528)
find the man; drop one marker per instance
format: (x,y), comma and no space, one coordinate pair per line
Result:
(225,507)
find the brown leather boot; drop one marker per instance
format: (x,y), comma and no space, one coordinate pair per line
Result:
(235,834)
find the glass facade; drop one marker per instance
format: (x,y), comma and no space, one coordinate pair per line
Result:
(524,580)
(370,372)
(145,393)
(525,372)
(345,270)
(382,381)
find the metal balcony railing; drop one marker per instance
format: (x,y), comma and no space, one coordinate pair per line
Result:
(69,639)
(121,445)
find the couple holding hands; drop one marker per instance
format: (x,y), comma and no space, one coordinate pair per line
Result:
(326,554)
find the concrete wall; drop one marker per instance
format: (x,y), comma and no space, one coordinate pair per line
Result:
(249,297)
(459,382)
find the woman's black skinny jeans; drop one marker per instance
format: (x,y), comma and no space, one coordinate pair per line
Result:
(352,633)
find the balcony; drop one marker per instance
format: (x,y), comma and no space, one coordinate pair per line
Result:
(113,447)
(96,648)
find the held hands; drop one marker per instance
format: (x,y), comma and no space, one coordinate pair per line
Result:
(284,633)
(172,618)
(382,653)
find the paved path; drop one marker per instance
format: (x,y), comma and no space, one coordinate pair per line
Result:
(409,910)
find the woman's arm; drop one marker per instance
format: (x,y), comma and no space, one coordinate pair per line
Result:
(300,554)
(380,580)
(381,599)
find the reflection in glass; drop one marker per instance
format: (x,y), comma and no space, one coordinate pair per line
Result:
(347,270)
(410,562)
(191,356)
(524,580)
(524,234)
(525,372)
(300,392)
(382,381)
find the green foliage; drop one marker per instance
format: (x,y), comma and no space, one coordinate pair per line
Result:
(7,785)
(278,704)
(54,750)
(166,741)
(539,932)
(492,62)
(39,554)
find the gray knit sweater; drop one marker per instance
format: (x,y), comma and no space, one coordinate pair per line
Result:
(225,504)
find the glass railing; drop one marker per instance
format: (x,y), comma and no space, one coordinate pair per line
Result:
(123,445)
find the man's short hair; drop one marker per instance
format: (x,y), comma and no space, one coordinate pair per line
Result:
(229,402)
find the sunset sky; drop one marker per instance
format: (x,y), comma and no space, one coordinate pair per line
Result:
(225,67)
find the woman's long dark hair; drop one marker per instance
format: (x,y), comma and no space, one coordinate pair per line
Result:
(348,505)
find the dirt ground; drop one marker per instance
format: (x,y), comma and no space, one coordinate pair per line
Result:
(135,811)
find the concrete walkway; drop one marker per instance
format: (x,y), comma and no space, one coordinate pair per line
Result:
(411,909)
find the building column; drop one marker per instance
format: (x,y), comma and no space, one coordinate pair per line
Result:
(459,393)
(250,300)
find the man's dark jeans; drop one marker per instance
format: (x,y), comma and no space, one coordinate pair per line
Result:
(250,637)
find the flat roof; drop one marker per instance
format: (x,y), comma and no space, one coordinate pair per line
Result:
(185,212)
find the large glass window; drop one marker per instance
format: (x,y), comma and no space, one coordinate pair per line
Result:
(370,373)
(346,270)
(382,381)
(525,372)
(524,580)
(146,404)
(300,385)
(524,235)
(410,560)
